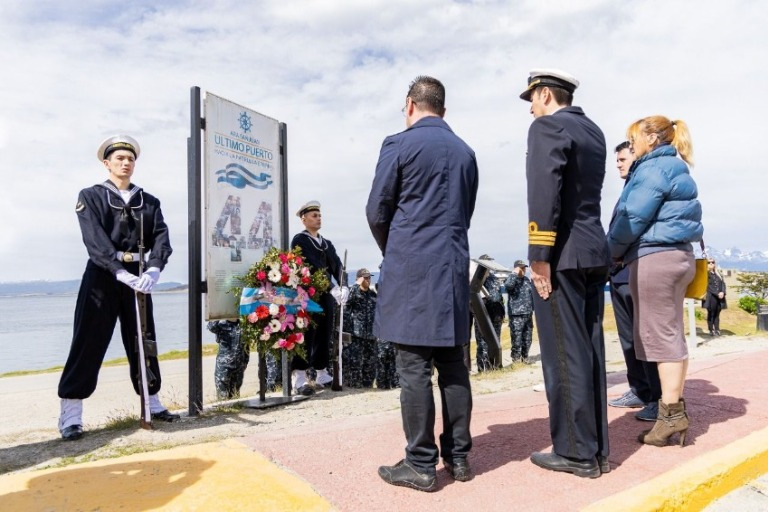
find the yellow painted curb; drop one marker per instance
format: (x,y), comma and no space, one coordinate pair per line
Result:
(212,476)
(695,484)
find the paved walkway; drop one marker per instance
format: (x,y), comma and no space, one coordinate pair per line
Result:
(333,467)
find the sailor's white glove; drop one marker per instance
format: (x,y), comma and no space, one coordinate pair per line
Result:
(148,280)
(340,293)
(127,278)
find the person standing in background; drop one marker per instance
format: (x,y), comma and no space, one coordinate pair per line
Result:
(494,305)
(359,357)
(520,310)
(714,300)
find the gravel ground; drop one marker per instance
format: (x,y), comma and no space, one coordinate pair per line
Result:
(29,437)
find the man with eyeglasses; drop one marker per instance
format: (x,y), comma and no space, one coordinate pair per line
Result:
(419,210)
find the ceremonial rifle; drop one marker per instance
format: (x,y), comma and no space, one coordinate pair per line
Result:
(146,346)
(338,344)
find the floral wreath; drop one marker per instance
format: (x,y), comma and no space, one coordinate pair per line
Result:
(276,300)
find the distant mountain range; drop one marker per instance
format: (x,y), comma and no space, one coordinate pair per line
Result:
(736,259)
(63,287)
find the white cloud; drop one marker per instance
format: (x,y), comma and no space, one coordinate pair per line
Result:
(337,73)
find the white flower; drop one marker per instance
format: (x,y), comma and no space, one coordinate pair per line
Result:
(274,309)
(274,275)
(300,323)
(293,281)
(264,336)
(274,325)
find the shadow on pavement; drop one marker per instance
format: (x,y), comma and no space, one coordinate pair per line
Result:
(23,456)
(143,485)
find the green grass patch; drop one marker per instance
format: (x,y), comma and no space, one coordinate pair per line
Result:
(208,350)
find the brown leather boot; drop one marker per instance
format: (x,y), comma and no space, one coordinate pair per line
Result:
(672,418)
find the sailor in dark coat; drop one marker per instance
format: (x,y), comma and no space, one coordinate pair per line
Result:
(110,214)
(320,254)
(419,210)
(569,256)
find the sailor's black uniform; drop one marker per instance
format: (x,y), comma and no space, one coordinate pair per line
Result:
(565,170)
(320,254)
(109,225)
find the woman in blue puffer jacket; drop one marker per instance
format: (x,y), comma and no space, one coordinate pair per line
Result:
(657,218)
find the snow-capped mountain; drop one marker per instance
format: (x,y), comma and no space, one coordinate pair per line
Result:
(735,258)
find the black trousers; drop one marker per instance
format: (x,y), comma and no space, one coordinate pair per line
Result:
(102,299)
(317,339)
(714,306)
(643,376)
(570,324)
(417,404)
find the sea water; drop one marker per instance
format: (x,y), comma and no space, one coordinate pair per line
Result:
(36,331)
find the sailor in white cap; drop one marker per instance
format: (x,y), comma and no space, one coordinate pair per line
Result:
(320,254)
(109,214)
(565,168)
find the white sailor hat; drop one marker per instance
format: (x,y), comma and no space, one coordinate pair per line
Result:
(550,78)
(118,142)
(309,206)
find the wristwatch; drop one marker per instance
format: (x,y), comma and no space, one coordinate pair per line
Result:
(127,257)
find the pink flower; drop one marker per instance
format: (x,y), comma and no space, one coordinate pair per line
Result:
(299,338)
(283,257)
(253,317)
(261,275)
(285,269)
(298,260)
(311,291)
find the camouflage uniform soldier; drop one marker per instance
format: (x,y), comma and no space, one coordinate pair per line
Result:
(231,360)
(494,304)
(359,357)
(520,311)
(386,372)
(274,372)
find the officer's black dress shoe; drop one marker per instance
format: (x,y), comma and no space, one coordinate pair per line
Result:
(459,469)
(605,466)
(405,475)
(554,462)
(305,390)
(165,415)
(72,433)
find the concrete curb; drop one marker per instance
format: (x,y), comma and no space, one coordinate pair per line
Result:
(695,484)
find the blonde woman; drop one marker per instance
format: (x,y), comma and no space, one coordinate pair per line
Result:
(657,218)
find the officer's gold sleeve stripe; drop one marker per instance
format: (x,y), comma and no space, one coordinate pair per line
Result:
(536,237)
(547,243)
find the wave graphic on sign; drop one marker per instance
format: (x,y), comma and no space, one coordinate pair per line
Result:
(240,177)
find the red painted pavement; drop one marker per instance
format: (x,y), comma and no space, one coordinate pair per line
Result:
(725,399)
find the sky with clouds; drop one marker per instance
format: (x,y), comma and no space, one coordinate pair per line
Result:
(337,73)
